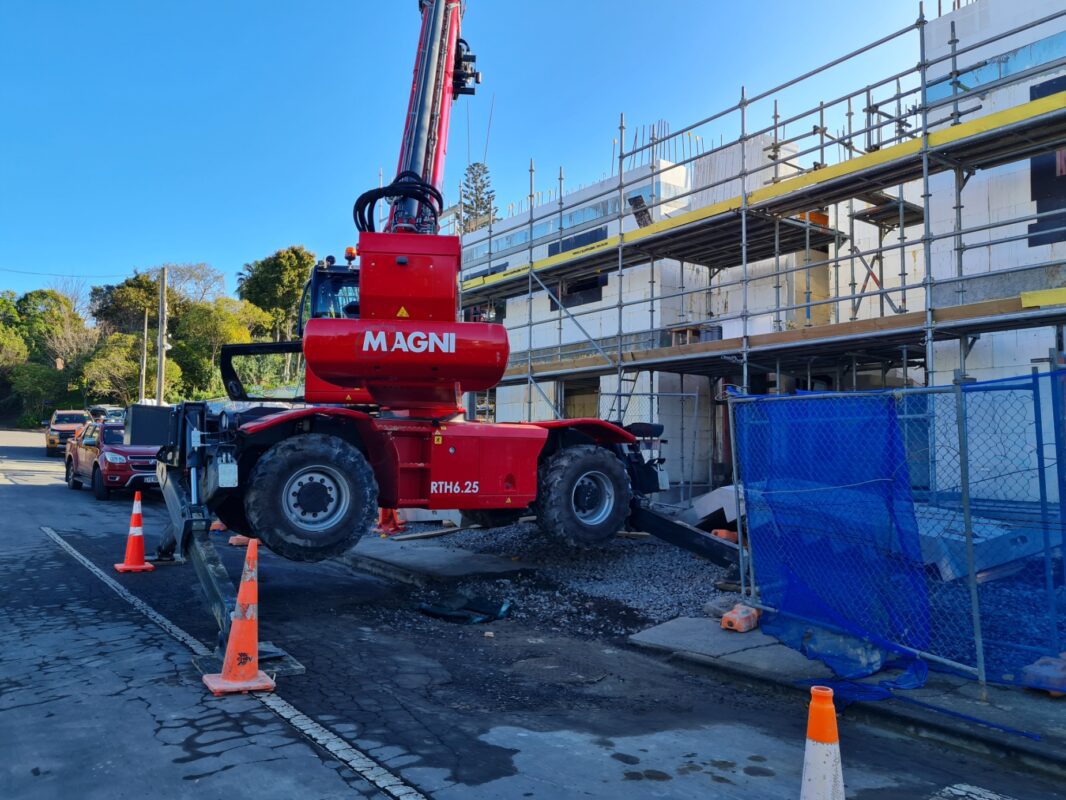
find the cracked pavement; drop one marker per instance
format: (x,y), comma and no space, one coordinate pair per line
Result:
(98,701)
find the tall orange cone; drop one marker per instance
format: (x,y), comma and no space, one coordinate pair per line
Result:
(823,776)
(135,542)
(240,667)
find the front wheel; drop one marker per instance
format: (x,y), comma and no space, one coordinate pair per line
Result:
(583,494)
(100,490)
(311,497)
(73,481)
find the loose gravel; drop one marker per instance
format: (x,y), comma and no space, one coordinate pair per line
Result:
(612,590)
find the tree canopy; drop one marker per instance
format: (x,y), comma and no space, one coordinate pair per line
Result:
(479,199)
(275,284)
(58,351)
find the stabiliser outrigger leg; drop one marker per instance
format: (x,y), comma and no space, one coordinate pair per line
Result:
(188,535)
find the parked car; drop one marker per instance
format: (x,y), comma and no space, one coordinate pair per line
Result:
(61,427)
(98,456)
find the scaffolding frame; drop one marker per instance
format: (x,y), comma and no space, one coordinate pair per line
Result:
(869,145)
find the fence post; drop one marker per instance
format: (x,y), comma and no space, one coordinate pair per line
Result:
(971,571)
(1049,578)
(742,539)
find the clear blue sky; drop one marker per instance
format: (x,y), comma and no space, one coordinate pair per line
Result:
(137,133)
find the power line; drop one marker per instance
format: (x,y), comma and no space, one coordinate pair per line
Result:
(64,275)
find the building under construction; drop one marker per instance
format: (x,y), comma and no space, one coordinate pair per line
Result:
(909,225)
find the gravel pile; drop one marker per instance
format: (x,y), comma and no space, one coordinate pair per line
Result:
(611,590)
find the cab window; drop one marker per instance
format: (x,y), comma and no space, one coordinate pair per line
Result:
(336,296)
(69,419)
(112,435)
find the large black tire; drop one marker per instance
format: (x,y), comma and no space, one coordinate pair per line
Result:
(100,490)
(583,494)
(491,517)
(311,497)
(73,481)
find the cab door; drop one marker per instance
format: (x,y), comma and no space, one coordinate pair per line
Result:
(87,449)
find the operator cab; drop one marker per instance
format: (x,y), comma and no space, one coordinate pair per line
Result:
(333,291)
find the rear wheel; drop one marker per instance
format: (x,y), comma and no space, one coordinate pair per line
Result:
(311,497)
(100,489)
(73,481)
(583,494)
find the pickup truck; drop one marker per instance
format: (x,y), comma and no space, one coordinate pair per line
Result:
(60,428)
(97,455)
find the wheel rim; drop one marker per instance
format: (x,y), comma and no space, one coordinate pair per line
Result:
(316,497)
(593,498)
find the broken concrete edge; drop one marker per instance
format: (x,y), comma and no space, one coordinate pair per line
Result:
(383,569)
(901,717)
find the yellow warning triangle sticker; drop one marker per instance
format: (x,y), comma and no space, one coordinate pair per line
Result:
(402,313)
(348,398)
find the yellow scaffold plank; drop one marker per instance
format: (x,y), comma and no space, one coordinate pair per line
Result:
(1044,297)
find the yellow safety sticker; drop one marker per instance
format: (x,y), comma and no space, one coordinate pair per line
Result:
(402,313)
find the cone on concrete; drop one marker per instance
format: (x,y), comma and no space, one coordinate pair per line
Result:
(823,776)
(134,561)
(240,667)
(390,522)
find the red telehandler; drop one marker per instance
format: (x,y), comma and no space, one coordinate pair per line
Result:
(386,363)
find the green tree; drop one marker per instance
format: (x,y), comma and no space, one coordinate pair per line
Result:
(275,284)
(9,314)
(120,307)
(202,331)
(41,390)
(113,372)
(38,312)
(479,199)
(13,350)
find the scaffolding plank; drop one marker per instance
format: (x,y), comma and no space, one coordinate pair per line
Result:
(799,344)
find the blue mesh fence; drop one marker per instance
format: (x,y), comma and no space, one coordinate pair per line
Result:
(920,522)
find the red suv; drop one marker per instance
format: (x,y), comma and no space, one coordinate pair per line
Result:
(97,454)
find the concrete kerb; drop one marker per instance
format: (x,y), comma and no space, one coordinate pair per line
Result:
(897,716)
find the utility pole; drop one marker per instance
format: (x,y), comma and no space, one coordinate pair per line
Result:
(161,347)
(144,354)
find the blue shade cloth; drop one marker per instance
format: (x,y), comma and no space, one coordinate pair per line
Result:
(880,522)
(831,523)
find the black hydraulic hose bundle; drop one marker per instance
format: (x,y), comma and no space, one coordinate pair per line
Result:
(407,185)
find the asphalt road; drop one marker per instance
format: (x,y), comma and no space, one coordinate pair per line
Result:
(99,698)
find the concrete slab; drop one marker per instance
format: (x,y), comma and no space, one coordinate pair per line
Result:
(420,561)
(700,635)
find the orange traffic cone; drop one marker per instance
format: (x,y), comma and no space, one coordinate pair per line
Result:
(238,540)
(218,526)
(823,777)
(135,542)
(389,521)
(240,667)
